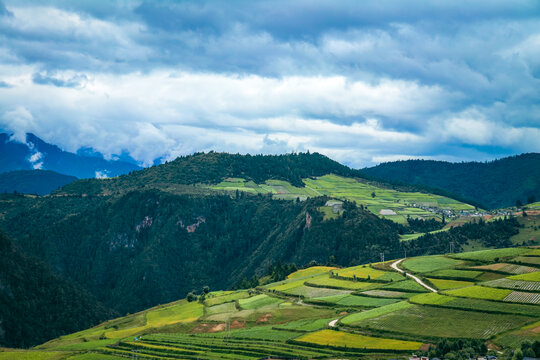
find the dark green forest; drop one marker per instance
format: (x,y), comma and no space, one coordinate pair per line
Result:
(36,304)
(495,184)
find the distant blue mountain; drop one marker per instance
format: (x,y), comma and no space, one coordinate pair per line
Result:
(40,182)
(37,154)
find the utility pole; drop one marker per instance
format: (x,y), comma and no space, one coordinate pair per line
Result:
(382,257)
(405,249)
(452,246)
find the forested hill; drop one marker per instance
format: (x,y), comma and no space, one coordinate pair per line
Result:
(498,183)
(37,305)
(213,167)
(151,247)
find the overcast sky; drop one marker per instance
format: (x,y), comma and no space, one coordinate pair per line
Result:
(360,81)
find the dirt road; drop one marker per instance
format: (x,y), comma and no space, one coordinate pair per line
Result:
(395,267)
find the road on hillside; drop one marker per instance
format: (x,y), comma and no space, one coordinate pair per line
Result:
(333,323)
(395,267)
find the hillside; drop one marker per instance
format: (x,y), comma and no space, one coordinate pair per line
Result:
(151,247)
(496,184)
(482,300)
(40,182)
(287,176)
(37,154)
(37,305)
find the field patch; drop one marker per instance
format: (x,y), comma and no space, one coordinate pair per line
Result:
(430,299)
(259,332)
(490,255)
(405,285)
(527,277)
(258,301)
(455,274)
(315,292)
(32,355)
(514,284)
(342,339)
(228,307)
(341,284)
(304,325)
(445,284)
(227,297)
(507,268)
(388,294)
(365,272)
(480,292)
(354,300)
(357,318)
(429,263)
(523,297)
(530,260)
(311,271)
(442,322)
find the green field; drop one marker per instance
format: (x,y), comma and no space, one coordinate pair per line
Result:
(357,318)
(491,255)
(427,321)
(258,301)
(405,285)
(354,300)
(455,274)
(341,284)
(429,263)
(535,276)
(227,297)
(444,284)
(480,292)
(403,204)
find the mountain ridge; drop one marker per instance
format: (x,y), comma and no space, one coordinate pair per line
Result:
(496,183)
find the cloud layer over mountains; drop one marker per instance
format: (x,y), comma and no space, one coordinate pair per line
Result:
(362,82)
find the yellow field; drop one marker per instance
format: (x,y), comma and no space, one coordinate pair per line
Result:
(343,339)
(314,270)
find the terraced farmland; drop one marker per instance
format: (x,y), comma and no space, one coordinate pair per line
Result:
(399,204)
(314,315)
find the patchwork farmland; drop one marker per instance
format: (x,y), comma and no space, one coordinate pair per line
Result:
(388,203)
(366,311)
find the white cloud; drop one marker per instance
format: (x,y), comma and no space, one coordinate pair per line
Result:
(101,175)
(19,121)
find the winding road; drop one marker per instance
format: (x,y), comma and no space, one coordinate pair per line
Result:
(395,267)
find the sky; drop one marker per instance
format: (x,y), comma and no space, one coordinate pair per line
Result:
(362,82)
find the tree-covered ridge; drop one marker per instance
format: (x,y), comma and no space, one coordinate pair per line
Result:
(498,183)
(213,167)
(36,304)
